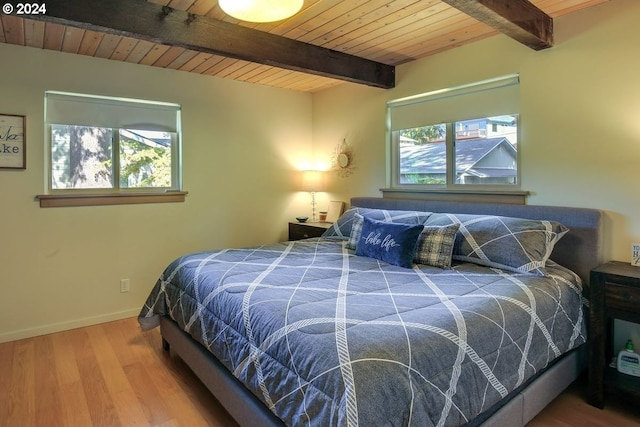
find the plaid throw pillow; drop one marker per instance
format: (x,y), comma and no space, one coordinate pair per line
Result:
(435,245)
(356,231)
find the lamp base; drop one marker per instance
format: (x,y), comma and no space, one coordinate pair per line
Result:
(314,217)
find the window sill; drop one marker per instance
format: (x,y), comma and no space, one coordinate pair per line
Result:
(516,197)
(69,200)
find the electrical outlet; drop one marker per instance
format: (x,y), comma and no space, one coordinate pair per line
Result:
(124,285)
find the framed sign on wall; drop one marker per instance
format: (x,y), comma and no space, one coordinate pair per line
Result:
(13,153)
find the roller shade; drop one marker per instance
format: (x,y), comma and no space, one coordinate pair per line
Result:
(84,110)
(480,99)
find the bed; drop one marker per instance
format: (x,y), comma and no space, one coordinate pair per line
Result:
(478,322)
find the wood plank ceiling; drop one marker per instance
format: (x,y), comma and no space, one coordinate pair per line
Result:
(377,33)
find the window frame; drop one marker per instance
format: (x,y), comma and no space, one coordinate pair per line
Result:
(57,197)
(450,150)
(393,143)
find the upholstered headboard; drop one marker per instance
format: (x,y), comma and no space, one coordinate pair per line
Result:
(579,250)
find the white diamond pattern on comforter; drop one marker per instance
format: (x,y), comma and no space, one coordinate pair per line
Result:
(327,338)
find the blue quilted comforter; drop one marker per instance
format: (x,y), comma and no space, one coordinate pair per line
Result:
(327,338)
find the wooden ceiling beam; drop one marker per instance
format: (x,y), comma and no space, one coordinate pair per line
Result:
(163,25)
(518,19)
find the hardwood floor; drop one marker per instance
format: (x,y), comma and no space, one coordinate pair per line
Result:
(115,375)
(570,409)
(105,375)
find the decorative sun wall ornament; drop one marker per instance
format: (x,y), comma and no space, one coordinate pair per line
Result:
(342,159)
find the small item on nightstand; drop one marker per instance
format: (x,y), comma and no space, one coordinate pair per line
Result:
(302,218)
(629,361)
(635,254)
(323,216)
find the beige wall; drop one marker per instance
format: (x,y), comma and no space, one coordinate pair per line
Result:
(580,115)
(61,267)
(580,119)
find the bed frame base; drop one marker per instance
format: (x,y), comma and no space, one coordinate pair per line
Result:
(249,411)
(528,403)
(239,402)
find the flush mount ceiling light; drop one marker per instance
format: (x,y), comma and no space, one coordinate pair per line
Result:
(261,10)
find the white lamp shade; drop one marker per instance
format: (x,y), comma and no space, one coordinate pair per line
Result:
(261,10)
(312,180)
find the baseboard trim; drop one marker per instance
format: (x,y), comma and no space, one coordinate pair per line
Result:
(65,326)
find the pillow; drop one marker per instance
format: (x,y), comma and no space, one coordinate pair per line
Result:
(435,245)
(390,242)
(513,244)
(342,227)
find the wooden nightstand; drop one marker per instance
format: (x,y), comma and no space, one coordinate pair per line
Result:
(306,230)
(614,294)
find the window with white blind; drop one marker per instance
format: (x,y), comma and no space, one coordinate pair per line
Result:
(460,137)
(109,145)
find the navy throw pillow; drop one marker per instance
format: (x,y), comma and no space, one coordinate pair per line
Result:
(390,242)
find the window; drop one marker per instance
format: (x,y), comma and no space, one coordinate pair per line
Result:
(82,158)
(112,145)
(463,137)
(485,152)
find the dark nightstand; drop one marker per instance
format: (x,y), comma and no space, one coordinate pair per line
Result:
(614,294)
(306,230)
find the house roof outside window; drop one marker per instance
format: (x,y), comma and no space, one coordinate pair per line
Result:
(430,158)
